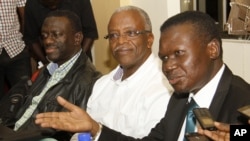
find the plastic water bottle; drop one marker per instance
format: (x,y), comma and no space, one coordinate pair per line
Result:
(84,136)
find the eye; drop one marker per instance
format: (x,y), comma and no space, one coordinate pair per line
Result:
(57,34)
(112,36)
(179,52)
(44,36)
(163,58)
(131,33)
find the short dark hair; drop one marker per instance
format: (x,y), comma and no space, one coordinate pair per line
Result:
(71,16)
(204,25)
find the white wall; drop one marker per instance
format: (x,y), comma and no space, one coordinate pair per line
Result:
(236,56)
(159,11)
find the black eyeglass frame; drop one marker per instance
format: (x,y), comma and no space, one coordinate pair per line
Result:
(130,33)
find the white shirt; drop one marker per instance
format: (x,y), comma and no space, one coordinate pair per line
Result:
(204,97)
(132,106)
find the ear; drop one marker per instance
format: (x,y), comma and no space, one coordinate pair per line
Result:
(214,49)
(78,38)
(150,40)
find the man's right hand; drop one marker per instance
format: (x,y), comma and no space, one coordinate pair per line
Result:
(75,120)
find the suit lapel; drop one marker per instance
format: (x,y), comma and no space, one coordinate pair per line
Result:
(221,93)
(176,113)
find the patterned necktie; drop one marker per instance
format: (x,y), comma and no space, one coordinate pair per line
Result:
(190,120)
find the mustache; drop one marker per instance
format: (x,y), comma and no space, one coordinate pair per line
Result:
(172,75)
(50,46)
(125,45)
(119,47)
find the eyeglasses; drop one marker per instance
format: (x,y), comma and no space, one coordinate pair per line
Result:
(128,34)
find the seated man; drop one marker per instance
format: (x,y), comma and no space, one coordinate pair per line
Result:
(135,92)
(191,54)
(35,13)
(70,73)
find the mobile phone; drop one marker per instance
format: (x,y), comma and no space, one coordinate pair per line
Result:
(204,118)
(196,137)
(245,111)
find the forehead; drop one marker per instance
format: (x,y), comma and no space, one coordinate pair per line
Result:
(126,19)
(56,22)
(178,37)
(180,32)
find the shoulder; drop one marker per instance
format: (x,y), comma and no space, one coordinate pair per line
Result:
(240,84)
(32,2)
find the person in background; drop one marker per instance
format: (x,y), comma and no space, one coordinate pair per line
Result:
(191,54)
(135,92)
(36,11)
(70,73)
(14,57)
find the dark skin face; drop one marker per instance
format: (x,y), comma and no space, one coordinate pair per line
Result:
(59,40)
(186,62)
(130,53)
(51,4)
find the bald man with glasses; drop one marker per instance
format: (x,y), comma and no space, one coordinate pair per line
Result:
(135,92)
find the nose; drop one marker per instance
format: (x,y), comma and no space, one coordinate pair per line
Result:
(169,65)
(50,39)
(122,38)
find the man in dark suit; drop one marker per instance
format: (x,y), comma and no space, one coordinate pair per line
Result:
(191,54)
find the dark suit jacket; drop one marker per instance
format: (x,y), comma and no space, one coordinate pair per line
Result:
(232,93)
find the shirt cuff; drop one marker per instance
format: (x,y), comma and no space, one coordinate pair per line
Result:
(96,137)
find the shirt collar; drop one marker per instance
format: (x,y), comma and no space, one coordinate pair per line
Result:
(54,66)
(119,71)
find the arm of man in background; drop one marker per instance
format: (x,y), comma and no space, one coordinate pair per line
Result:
(85,11)
(32,34)
(37,52)
(87,43)
(20,11)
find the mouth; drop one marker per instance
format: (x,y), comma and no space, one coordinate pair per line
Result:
(49,50)
(174,80)
(121,50)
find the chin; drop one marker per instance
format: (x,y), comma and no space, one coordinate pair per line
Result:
(181,94)
(180,91)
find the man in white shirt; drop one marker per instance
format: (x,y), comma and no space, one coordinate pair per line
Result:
(135,92)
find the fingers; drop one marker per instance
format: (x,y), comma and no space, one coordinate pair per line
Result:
(200,130)
(48,114)
(222,126)
(225,136)
(222,134)
(66,104)
(46,118)
(217,135)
